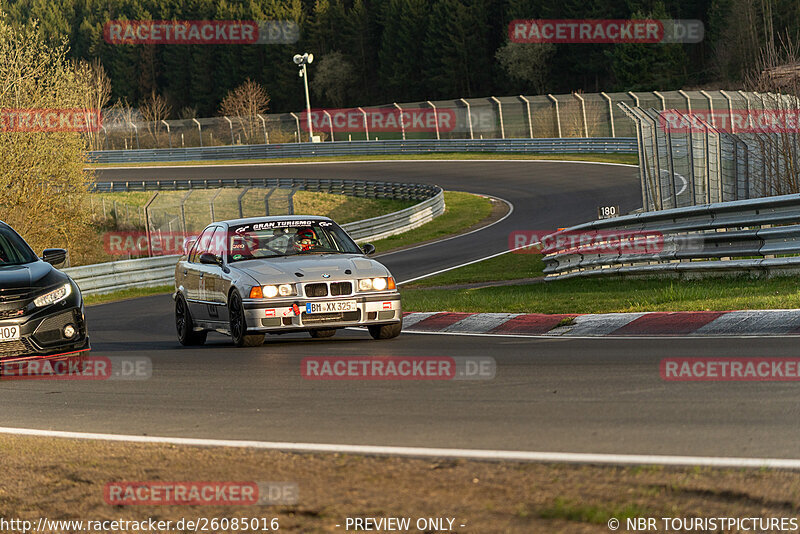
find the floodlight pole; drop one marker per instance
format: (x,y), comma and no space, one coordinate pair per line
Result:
(308,104)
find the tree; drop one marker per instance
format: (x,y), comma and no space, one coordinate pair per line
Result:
(333,79)
(97,95)
(43,184)
(457,59)
(527,62)
(245,103)
(648,67)
(154,110)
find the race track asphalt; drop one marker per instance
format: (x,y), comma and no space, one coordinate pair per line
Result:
(570,395)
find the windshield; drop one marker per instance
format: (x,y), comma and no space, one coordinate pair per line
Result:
(13,249)
(287,238)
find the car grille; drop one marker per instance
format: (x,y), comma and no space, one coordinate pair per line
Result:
(17,294)
(341,288)
(316,318)
(19,347)
(316,290)
(50,329)
(321,289)
(14,312)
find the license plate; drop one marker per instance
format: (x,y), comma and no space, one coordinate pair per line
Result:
(331,307)
(9,333)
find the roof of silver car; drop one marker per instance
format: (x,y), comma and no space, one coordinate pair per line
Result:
(251,220)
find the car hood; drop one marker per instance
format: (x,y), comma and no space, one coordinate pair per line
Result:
(311,268)
(36,274)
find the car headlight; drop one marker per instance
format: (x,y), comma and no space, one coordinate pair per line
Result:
(365,284)
(285,290)
(271,291)
(379,284)
(376,284)
(53,296)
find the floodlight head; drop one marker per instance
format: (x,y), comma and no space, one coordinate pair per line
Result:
(298,59)
(309,58)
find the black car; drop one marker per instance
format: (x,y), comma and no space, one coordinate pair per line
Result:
(41,308)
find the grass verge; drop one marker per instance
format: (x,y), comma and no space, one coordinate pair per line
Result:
(463,211)
(630,159)
(65,479)
(591,295)
(125,294)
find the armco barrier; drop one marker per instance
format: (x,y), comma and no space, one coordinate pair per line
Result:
(160,270)
(353,188)
(624,145)
(758,236)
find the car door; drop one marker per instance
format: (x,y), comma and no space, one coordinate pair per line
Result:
(194,274)
(212,278)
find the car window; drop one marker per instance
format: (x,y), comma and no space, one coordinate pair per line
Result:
(288,237)
(13,249)
(217,245)
(201,245)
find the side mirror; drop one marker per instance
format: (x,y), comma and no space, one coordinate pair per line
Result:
(210,259)
(54,256)
(368,248)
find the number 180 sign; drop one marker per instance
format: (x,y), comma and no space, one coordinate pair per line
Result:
(607,212)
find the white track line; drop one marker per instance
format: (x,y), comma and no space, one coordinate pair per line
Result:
(427,452)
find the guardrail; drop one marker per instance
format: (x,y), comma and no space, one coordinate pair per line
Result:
(160,270)
(353,188)
(624,145)
(758,236)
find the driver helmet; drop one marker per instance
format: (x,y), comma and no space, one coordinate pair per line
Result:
(305,239)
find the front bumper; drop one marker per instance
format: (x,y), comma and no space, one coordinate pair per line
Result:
(280,315)
(41,335)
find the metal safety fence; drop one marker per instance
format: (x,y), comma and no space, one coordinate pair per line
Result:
(626,145)
(756,237)
(504,117)
(738,146)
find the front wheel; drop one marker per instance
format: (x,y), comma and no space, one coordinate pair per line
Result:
(386,331)
(239,324)
(185,326)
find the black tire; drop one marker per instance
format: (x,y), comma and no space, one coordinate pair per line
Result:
(185,326)
(386,331)
(238,324)
(325,332)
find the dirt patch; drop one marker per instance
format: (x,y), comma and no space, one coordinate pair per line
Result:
(64,479)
